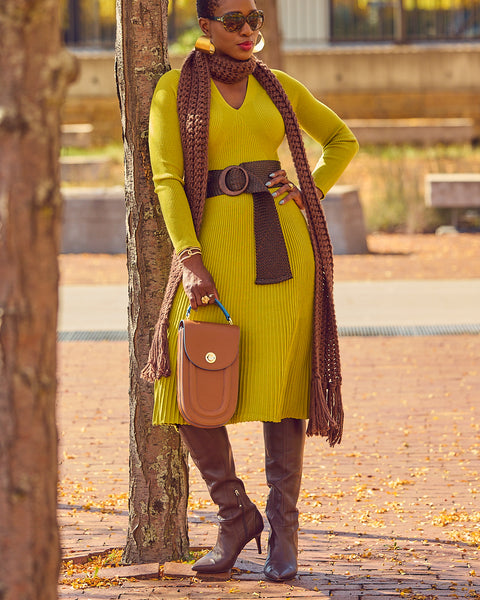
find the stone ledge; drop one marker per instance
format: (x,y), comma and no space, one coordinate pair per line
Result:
(145,571)
(183,570)
(344,216)
(78,169)
(417,131)
(81,558)
(94,220)
(77,135)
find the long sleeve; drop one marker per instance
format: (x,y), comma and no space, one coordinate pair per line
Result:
(166,158)
(325,127)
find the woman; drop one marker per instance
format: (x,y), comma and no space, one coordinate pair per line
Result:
(250,247)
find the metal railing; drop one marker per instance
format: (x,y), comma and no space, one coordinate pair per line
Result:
(311,23)
(89,23)
(316,22)
(404,20)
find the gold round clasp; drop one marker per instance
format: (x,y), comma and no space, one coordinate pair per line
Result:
(210,357)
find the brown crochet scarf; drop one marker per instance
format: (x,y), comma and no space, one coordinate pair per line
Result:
(193,105)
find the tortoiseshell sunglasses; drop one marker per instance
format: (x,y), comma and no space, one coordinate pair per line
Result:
(234,21)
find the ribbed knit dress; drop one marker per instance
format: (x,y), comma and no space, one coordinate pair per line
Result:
(275,320)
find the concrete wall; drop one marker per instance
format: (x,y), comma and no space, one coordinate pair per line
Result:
(391,82)
(92,98)
(375,69)
(359,82)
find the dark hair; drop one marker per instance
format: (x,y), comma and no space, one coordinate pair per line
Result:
(206,8)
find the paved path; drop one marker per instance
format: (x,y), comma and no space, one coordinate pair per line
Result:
(393,512)
(370,303)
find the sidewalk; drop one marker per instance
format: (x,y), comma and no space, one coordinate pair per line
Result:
(393,512)
(358,304)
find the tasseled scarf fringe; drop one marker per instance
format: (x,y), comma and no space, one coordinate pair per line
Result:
(158,364)
(326,411)
(193,104)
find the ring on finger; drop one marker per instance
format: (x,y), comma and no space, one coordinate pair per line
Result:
(205,299)
(290,185)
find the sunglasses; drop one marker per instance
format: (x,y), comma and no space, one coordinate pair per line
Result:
(234,21)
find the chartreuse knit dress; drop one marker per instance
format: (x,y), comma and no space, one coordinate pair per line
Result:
(275,320)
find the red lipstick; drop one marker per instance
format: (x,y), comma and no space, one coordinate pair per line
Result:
(246,45)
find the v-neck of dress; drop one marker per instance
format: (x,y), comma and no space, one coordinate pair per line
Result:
(226,101)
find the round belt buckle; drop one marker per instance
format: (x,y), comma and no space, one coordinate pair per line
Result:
(222,181)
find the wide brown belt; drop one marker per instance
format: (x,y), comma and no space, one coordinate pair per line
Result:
(272,264)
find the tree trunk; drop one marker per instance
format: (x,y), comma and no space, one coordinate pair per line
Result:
(35,72)
(157,528)
(272,53)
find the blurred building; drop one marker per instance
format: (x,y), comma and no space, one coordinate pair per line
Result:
(89,23)
(367,59)
(315,23)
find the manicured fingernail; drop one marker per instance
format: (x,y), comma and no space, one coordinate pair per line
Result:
(272,175)
(269,183)
(275,194)
(282,202)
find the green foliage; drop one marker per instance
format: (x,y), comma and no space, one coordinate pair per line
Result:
(186,9)
(185,41)
(391,182)
(113,151)
(183,29)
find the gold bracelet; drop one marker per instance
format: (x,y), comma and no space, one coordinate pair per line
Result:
(189,252)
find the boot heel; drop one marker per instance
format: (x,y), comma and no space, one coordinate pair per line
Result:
(258,539)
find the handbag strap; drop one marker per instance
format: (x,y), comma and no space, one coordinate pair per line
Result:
(224,310)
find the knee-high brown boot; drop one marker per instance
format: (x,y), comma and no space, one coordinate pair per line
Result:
(239,519)
(284,444)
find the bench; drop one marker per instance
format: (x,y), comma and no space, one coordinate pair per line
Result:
(454,191)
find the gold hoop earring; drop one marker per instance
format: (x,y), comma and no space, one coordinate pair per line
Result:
(205,45)
(259,46)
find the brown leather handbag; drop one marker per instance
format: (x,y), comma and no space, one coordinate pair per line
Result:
(207,371)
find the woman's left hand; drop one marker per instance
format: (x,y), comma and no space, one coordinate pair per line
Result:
(279,179)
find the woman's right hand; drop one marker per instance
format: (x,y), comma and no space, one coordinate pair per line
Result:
(198,282)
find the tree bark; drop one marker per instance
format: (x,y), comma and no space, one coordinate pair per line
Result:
(272,53)
(35,72)
(157,528)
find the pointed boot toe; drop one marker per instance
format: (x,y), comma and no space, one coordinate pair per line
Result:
(212,563)
(281,563)
(280,572)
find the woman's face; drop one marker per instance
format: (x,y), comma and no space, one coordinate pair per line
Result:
(236,44)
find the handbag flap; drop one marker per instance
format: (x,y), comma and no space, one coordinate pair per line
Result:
(211,346)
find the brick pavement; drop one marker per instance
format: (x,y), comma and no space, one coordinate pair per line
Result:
(392,512)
